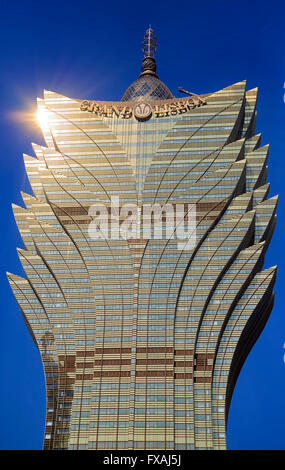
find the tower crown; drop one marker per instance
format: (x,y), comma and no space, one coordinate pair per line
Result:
(148,86)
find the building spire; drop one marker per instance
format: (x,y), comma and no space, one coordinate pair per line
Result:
(149,45)
(147,86)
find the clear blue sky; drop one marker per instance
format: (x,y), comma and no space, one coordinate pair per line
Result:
(92,50)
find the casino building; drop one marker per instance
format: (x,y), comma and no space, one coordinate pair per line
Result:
(142,338)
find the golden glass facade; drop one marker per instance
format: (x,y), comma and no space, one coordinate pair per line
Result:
(142,341)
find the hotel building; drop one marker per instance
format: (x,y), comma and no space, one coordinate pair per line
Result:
(142,338)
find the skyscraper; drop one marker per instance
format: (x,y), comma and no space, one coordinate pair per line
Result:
(143,329)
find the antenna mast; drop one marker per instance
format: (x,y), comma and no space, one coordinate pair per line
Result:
(149,44)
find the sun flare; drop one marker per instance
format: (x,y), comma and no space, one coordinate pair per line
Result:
(42,117)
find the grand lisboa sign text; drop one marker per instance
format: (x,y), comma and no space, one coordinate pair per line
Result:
(142,110)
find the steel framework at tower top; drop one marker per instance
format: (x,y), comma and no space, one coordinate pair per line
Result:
(149,44)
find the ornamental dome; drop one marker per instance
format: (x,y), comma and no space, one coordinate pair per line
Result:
(147,87)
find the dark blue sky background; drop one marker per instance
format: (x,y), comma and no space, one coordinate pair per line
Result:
(91,49)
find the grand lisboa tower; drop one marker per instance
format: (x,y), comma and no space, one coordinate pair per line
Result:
(142,336)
